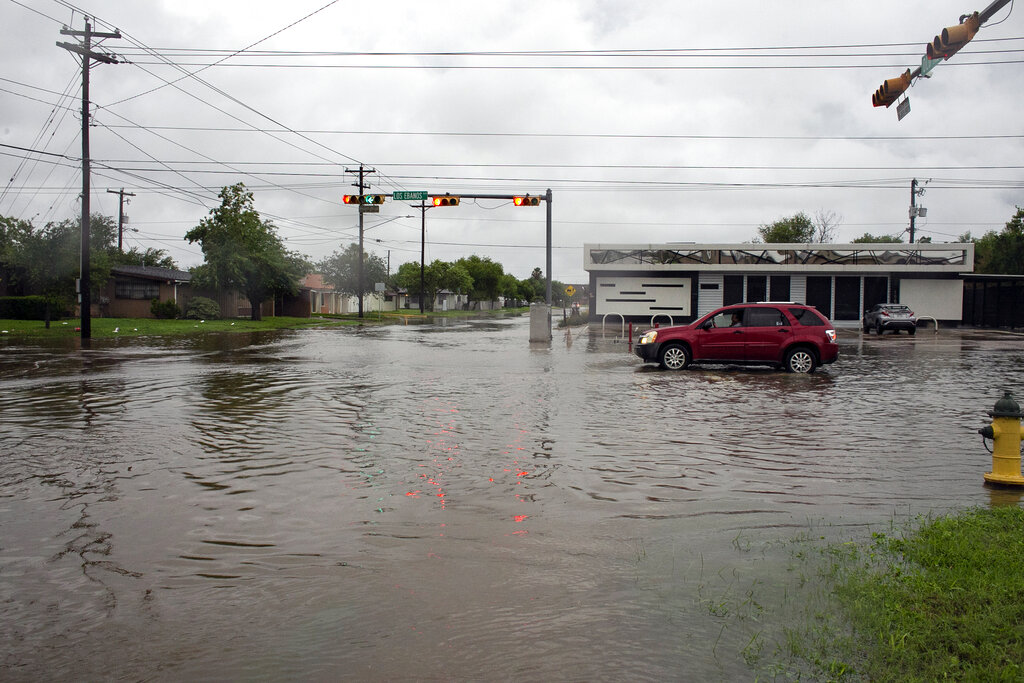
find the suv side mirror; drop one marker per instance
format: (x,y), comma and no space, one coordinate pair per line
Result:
(706,325)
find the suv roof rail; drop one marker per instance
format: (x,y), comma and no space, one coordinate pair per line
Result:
(792,303)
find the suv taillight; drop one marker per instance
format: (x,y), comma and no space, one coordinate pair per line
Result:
(830,335)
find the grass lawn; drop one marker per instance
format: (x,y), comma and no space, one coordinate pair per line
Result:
(109,328)
(942,599)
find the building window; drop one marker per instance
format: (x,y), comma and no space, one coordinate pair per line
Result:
(134,288)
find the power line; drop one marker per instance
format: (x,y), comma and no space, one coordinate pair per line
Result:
(628,136)
(580,67)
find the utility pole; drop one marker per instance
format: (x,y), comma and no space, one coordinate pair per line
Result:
(423,250)
(120,216)
(85,49)
(361,187)
(913,207)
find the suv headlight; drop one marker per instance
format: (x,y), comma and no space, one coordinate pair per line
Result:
(649,337)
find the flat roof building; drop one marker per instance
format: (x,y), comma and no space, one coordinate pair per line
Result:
(678,282)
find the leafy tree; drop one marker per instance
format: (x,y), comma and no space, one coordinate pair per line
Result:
(455,278)
(534,288)
(1001,252)
(48,261)
(407,277)
(868,238)
(243,252)
(341,270)
(13,234)
(486,276)
(797,229)
(509,287)
(150,257)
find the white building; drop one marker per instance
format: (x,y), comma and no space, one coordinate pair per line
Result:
(680,282)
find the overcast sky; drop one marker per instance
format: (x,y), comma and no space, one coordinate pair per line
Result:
(651,122)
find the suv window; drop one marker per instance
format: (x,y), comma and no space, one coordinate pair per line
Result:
(765,317)
(729,318)
(806,316)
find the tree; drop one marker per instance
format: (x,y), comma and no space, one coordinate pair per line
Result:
(150,257)
(486,276)
(455,278)
(49,261)
(341,270)
(509,287)
(243,252)
(1001,252)
(868,238)
(407,277)
(796,229)
(13,234)
(826,224)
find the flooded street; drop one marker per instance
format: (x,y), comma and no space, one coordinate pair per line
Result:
(446,502)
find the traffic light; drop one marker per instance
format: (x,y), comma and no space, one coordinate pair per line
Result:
(891,90)
(363,199)
(952,38)
(526,201)
(445,200)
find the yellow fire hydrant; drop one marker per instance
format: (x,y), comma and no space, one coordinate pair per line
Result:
(1006,433)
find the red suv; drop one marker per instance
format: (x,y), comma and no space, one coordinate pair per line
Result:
(788,335)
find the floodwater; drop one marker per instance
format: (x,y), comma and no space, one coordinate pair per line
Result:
(448,502)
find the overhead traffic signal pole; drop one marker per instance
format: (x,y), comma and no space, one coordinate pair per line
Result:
(439,200)
(447,199)
(941,48)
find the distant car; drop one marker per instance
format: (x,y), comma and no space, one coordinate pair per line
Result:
(895,317)
(788,335)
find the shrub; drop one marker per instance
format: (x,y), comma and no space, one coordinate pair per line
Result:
(166,310)
(201,308)
(28,308)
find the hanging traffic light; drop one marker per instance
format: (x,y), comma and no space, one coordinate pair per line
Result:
(445,200)
(952,38)
(526,201)
(891,90)
(363,199)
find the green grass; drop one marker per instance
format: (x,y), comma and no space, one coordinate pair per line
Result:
(104,328)
(941,599)
(945,601)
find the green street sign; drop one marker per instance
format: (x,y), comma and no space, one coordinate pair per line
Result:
(416,196)
(928,64)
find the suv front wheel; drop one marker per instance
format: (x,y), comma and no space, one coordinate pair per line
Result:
(801,360)
(674,357)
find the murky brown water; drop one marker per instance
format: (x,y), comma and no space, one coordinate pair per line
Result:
(446,502)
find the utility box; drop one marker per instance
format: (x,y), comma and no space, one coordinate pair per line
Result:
(540,323)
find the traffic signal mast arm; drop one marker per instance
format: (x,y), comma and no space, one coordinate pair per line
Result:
(944,46)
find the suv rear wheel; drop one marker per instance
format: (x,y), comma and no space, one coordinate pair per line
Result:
(674,357)
(801,360)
